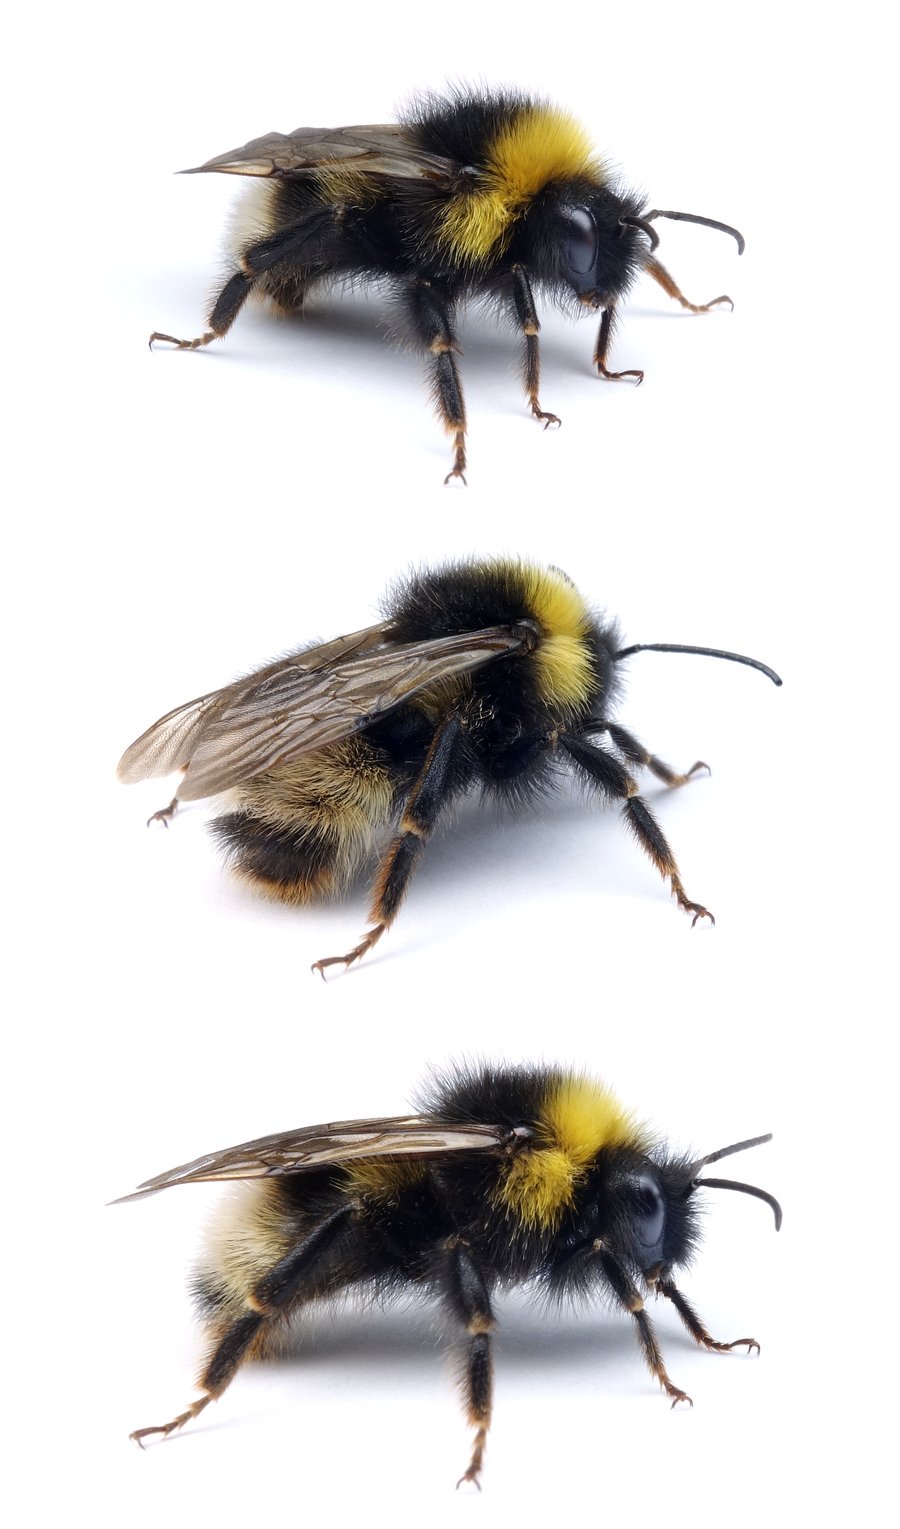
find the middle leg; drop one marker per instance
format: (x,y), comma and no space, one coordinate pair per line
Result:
(469,1300)
(431,316)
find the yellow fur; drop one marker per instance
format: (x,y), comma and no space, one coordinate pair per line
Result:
(562,658)
(345,186)
(385,1179)
(341,796)
(541,145)
(579,1119)
(248,1236)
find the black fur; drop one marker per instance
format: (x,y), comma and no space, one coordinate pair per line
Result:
(439,1223)
(325,229)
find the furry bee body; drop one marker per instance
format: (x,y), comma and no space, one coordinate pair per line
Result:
(509,1176)
(485,675)
(470,196)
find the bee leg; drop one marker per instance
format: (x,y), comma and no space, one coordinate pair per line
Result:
(661,276)
(526,313)
(164,813)
(470,1303)
(636,754)
(601,349)
(432,323)
(428,796)
(290,246)
(695,1327)
(627,1293)
(225,310)
(266,1301)
(613,780)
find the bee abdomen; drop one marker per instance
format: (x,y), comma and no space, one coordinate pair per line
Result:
(302,830)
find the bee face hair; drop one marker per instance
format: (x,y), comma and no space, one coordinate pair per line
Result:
(529,1176)
(477,194)
(489,675)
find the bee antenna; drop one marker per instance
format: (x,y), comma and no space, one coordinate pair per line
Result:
(745,1189)
(644,226)
(738,1146)
(692,217)
(679,647)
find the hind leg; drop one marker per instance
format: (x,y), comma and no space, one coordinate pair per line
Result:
(266,1303)
(286,260)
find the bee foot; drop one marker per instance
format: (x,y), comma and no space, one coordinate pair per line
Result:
(619,376)
(166,1428)
(748,1343)
(354,955)
(678,1396)
(549,419)
(456,472)
(164,813)
(172,339)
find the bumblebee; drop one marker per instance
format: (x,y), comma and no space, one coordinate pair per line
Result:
(509,1176)
(488,675)
(469,195)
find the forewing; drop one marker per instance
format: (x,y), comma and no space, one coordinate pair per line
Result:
(290,709)
(345,1141)
(169,744)
(385,149)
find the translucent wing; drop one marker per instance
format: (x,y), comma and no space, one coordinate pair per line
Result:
(374,150)
(167,745)
(303,703)
(345,1141)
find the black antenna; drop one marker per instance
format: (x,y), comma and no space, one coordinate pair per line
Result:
(739,1146)
(679,647)
(691,217)
(644,226)
(745,1189)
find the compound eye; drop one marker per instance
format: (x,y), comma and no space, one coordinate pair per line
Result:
(581,240)
(651,1211)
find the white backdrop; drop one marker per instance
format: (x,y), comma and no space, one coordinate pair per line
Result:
(177,519)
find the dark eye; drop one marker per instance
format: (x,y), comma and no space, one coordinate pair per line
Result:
(650,1220)
(581,240)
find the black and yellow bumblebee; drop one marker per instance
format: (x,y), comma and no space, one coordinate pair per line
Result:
(508,1176)
(487,675)
(472,195)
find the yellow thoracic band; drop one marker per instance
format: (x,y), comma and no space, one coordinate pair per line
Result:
(562,658)
(540,145)
(579,1119)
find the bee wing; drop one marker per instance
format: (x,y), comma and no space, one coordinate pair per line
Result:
(294,707)
(168,745)
(345,1141)
(376,150)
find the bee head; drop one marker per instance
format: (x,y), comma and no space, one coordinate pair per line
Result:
(642,1207)
(577,237)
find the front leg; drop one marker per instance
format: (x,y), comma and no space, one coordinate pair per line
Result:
(601,349)
(431,317)
(526,314)
(613,781)
(630,1298)
(661,276)
(694,1325)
